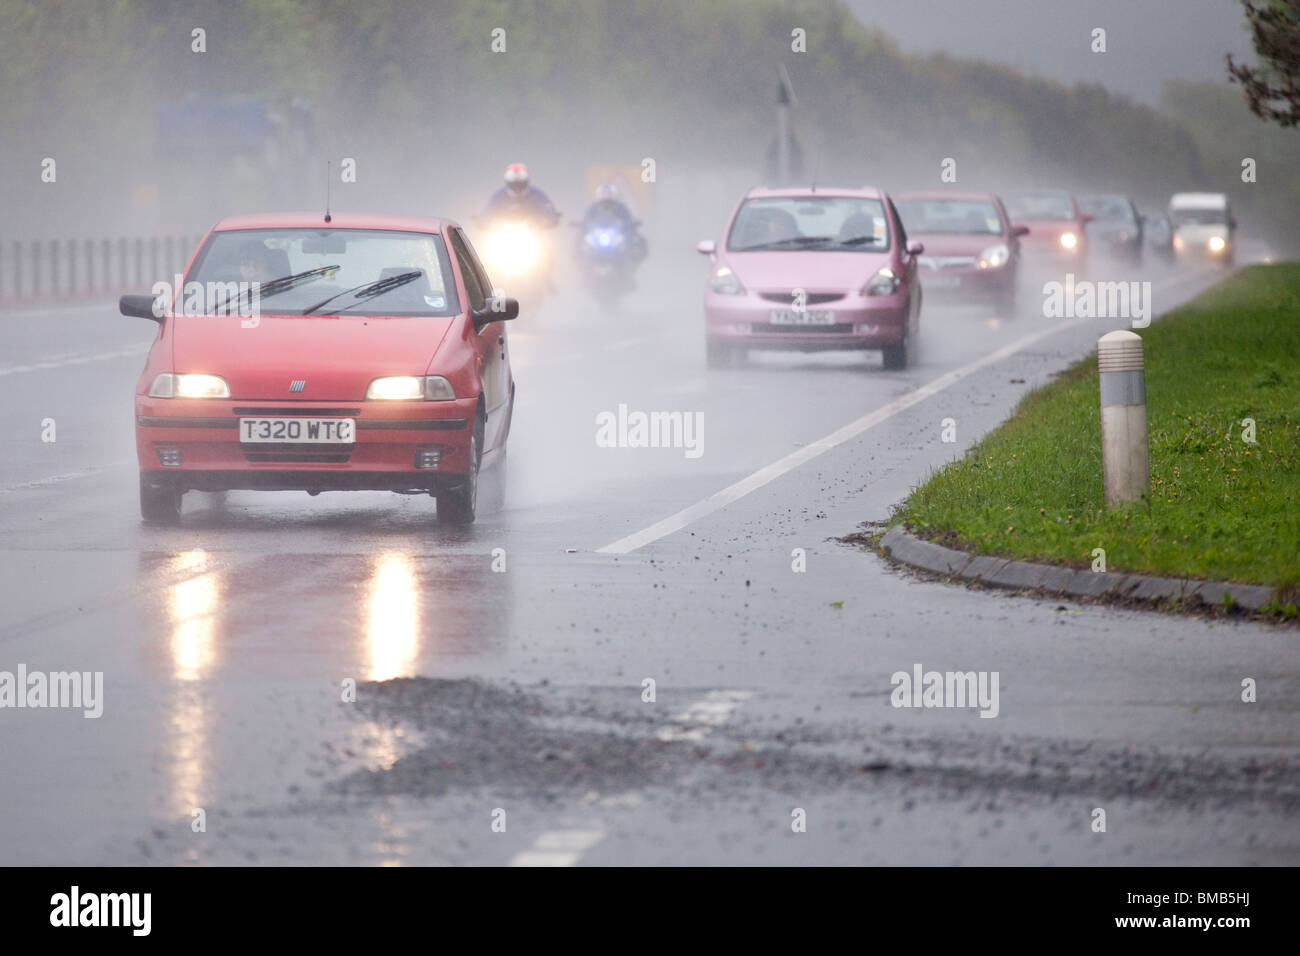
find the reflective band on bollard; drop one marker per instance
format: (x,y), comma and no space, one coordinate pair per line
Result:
(1124,462)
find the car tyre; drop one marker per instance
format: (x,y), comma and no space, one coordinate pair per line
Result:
(457,506)
(159,505)
(896,356)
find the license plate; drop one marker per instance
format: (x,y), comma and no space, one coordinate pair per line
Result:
(806,317)
(303,431)
(942,282)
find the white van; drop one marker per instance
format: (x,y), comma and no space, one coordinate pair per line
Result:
(1203,226)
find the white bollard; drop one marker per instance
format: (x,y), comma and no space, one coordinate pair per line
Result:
(1124,462)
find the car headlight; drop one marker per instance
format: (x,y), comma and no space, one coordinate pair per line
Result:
(168,385)
(1069,240)
(1217,244)
(724,282)
(1178,242)
(994,257)
(883,282)
(411,388)
(513,248)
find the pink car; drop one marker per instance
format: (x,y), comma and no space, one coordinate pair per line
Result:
(972,249)
(809,270)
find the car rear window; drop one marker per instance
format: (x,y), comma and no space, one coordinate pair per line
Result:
(810,224)
(1108,208)
(362,257)
(1041,207)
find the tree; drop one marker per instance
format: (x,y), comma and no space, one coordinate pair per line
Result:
(1273,88)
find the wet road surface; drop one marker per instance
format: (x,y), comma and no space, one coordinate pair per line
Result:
(499,713)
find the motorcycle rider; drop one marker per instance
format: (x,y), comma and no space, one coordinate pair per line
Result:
(518,198)
(609,210)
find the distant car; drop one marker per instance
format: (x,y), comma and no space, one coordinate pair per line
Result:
(1058,236)
(1116,229)
(373,359)
(1159,235)
(813,269)
(972,249)
(1204,227)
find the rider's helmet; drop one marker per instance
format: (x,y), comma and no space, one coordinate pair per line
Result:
(516,178)
(607,191)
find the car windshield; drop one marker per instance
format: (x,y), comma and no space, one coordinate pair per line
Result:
(810,224)
(1041,207)
(971,217)
(1108,208)
(325,271)
(1198,217)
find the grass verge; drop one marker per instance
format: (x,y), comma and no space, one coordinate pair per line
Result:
(1221,507)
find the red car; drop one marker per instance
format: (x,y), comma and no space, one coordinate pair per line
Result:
(362,352)
(972,249)
(813,269)
(1058,238)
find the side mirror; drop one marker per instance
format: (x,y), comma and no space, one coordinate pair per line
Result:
(706,247)
(915,248)
(496,310)
(1088,217)
(1018,231)
(140,305)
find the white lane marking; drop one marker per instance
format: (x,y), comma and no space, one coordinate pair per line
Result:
(697,721)
(769,473)
(62,361)
(55,479)
(558,848)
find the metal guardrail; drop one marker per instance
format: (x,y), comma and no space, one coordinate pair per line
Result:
(40,269)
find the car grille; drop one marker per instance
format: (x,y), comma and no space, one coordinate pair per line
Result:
(299,454)
(769,327)
(937,263)
(298,410)
(810,298)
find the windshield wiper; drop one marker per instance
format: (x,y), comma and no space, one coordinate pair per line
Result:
(861,240)
(282,284)
(783,243)
(367,290)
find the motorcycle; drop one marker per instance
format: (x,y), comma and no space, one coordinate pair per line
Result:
(608,254)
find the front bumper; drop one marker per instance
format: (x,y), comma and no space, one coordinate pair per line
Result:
(1189,250)
(860,322)
(200,441)
(969,282)
(1043,256)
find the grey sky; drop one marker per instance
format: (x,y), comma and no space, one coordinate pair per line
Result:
(1148,41)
